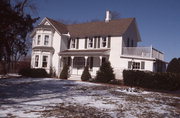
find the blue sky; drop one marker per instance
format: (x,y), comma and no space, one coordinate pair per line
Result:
(158,20)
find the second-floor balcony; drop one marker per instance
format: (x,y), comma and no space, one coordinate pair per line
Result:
(145,52)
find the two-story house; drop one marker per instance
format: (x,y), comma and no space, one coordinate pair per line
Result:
(90,44)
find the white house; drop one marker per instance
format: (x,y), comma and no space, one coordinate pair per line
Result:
(90,44)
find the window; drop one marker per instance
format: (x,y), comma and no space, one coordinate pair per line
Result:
(44,63)
(78,62)
(73,43)
(46,39)
(136,65)
(39,39)
(36,60)
(104,42)
(90,43)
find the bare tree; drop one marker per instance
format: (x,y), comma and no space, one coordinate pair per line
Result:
(115,15)
(15,24)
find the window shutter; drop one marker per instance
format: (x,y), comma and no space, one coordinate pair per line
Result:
(85,43)
(128,42)
(68,44)
(109,41)
(142,65)
(132,43)
(129,64)
(94,42)
(77,43)
(98,42)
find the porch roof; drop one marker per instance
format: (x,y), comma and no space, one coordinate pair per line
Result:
(86,52)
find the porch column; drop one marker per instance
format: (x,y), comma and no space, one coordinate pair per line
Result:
(86,57)
(100,57)
(72,61)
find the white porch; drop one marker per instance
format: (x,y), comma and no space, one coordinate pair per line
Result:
(78,59)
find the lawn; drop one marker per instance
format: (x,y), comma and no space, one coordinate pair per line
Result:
(47,97)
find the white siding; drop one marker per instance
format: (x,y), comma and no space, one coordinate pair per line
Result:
(115,52)
(56,45)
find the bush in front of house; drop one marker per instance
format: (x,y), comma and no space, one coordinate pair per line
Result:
(64,73)
(161,81)
(86,76)
(32,72)
(105,74)
(174,66)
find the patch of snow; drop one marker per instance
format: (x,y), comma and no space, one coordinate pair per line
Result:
(39,94)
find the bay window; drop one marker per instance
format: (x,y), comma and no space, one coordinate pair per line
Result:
(46,39)
(36,60)
(38,39)
(44,62)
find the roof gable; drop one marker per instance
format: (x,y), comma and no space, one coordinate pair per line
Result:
(59,27)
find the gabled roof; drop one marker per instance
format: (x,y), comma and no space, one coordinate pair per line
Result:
(101,28)
(91,29)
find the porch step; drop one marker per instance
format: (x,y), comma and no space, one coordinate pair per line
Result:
(75,77)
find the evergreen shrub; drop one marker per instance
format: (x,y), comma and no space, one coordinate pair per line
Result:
(64,73)
(86,76)
(105,74)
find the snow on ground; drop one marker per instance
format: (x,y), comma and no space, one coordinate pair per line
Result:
(47,97)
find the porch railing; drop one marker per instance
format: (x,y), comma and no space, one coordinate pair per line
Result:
(147,52)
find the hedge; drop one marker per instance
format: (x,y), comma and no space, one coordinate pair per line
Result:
(35,73)
(161,81)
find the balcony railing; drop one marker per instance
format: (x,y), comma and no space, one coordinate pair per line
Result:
(147,52)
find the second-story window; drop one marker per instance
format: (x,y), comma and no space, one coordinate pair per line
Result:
(104,42)
(38,39)
(36,60)
(73,43)
(46,39)
(90,42)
